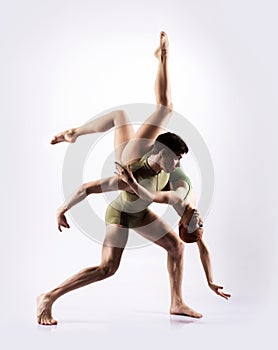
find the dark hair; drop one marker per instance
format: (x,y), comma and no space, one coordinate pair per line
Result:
(172,141)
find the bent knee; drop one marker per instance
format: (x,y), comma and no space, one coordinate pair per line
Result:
(108,269)
(121,117)
(165,107)
(176,249)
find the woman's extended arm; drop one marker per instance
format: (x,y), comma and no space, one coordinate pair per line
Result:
(206,262)
(98,186)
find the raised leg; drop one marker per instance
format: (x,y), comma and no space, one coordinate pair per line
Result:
(160,233)
(162,82)
(113,246)
(155,123)
(115,119)
(127,152)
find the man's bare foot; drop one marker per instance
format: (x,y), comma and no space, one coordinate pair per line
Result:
(163,48)
(44,316)
(65,136)
(184,310)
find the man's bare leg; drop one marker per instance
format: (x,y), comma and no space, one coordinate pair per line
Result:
(112,250)
(161,234)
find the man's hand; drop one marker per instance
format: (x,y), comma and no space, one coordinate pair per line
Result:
(218,291)
(62,221)
(195,222)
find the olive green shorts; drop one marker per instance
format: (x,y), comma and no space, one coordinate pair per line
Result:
(130,220)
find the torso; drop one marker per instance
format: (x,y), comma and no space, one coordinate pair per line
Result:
(128,209)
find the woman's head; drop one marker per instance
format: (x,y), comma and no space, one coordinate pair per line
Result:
(190,237)
(190,226)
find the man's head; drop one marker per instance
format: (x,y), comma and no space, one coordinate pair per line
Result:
(172,142)
(170,148)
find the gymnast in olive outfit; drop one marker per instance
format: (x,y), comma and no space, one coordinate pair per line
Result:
(148,165)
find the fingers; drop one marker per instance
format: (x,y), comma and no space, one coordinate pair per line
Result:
(201,222)
(222,294)
(119,168)
(218,290)
(63,224)
(196,220)
(119,165)
(57,138)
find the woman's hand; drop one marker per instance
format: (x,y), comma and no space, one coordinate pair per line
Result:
(125,174)
(62,221)
(195,222)
(191,219)
(218,291)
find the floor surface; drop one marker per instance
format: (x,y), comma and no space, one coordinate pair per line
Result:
(235,324)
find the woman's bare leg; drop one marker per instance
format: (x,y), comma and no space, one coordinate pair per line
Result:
(113,247)
(116,119)
(158,232)
(162,82)
(155,123)
(124,132)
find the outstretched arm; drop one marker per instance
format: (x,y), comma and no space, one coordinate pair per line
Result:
(98,186)
(206,262)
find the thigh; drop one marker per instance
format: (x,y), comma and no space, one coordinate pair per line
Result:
(123,133)
(114,243)
(145,136)
(156,230)
(155,124)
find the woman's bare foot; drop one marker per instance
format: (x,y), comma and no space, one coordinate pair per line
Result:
(65,136)
(44,316)
(184,310)
(163,48)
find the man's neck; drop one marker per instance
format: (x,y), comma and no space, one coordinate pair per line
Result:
(153,162)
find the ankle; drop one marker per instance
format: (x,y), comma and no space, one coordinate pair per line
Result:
(177,302)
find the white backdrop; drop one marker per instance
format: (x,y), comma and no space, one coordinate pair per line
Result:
(62,62)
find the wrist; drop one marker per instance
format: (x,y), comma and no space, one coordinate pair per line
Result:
(131,181)
(62,210)
(76,131)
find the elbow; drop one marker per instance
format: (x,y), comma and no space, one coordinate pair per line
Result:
(83,190)
(177,201)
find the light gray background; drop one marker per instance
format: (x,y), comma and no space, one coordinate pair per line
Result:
(62,62)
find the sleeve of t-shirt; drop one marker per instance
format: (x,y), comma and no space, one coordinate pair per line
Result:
(179,174)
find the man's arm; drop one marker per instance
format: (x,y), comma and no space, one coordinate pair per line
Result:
(98,186)
(172,197)
(206,262)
